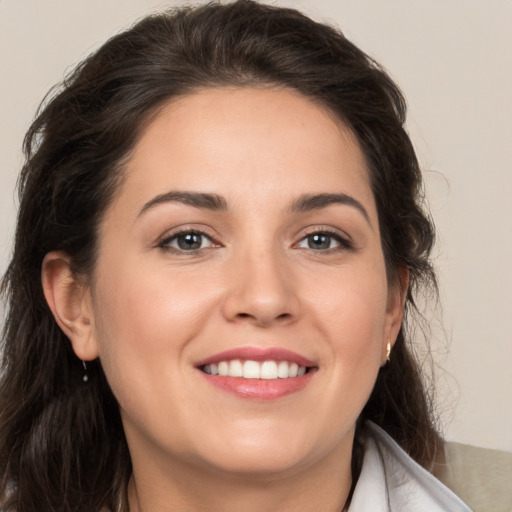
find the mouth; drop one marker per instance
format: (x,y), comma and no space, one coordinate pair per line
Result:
(249,369)
(256,373)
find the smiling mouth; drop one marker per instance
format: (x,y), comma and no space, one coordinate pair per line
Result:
(249,369)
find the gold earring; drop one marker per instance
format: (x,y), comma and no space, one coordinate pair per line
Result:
(388,351)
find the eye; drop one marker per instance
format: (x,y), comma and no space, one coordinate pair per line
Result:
(322,241)
(187,241)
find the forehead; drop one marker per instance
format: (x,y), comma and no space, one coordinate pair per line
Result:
(245,142)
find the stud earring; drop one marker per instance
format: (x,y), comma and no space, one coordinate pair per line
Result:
(388,352)
(85,378)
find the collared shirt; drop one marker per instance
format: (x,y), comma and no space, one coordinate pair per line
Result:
(390,481)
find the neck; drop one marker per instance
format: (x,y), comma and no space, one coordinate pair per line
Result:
(324,486)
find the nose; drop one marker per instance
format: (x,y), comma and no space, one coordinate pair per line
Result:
(261,290)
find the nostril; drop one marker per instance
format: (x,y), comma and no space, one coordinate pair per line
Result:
(263,320)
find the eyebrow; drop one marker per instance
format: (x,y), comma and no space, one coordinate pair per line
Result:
(215,202)
(310,202)
(196,199)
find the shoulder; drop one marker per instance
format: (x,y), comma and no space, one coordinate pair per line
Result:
(391,481)
(480,476)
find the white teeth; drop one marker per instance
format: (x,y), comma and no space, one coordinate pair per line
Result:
(251,370)
(282,370)
(292,371)
(235,368)
(223,368)
(268,370)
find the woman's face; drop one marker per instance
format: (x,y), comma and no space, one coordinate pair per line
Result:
(244,240)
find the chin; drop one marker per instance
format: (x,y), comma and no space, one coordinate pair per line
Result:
(258,454)
(260,463)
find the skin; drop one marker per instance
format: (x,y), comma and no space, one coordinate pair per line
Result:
(151,311)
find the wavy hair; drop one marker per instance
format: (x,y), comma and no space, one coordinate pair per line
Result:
(62,446)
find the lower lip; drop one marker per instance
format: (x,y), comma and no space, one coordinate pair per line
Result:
(259,389)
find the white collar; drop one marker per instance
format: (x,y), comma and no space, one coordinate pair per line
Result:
(390,481)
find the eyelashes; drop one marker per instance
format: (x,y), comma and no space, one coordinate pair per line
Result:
(193,242)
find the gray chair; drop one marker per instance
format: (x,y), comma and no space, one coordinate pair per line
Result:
(481,477)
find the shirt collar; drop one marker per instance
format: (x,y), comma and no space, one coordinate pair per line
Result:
(390,481)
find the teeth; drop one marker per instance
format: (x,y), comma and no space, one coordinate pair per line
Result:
(223,368)
(268,370)
(251,370)
(235,368)
(282,370)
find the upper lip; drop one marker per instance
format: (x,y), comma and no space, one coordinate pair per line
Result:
(257,354)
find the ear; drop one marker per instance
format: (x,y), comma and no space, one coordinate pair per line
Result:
(70,302)
(395,310)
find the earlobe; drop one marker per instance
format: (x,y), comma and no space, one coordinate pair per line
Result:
(70,302)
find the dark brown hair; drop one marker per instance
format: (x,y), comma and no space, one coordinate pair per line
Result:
(62,446)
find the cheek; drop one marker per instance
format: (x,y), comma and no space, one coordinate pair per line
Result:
(351,313)
(351,306)
(144,304)
(144,320)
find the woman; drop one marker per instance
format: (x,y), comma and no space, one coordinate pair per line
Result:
(220,236)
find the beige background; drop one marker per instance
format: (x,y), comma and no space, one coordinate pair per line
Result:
(453,59)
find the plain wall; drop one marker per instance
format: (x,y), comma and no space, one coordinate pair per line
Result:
(453,60)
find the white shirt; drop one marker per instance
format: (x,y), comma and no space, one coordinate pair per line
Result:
(390,481)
